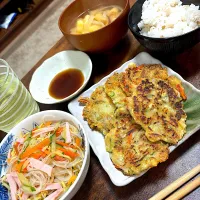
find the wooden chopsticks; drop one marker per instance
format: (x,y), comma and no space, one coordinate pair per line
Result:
(185,190)
(176,184)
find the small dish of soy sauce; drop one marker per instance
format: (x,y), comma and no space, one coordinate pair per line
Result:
(61,77)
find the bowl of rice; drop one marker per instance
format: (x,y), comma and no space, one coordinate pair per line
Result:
(165,26)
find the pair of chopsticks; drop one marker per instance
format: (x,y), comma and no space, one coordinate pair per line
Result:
(176,184)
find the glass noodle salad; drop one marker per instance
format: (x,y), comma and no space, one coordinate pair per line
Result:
(45,162)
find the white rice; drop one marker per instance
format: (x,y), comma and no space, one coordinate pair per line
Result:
(168,18)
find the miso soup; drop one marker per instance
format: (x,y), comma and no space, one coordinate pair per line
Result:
(93,20)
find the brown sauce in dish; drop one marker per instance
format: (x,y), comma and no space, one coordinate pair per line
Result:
(66,83)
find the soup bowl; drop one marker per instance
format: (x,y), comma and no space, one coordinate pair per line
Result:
(102,39)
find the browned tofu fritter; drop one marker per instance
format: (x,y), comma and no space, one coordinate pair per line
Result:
(99,111)
(126,84)
(132,152)
(146,71)
(115,92)
(134,75)
(157,107)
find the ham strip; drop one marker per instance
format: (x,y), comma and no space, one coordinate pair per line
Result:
(53,186)
(15,177)
(41,166)
(68,135)
(20,140)
(54,195)
(42,130)
(25,196)
(13,186)
(9,154)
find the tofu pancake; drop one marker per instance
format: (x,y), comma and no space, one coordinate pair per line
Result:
(131,151)
(115,92)
(157,107)
(99,111)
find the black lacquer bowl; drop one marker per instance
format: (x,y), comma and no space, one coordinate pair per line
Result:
(170,45)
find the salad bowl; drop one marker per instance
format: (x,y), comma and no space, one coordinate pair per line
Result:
(26,126)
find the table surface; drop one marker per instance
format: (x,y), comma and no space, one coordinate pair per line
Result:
(97,184)
(21,21)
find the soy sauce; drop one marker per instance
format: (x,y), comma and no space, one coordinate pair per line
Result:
(66,83)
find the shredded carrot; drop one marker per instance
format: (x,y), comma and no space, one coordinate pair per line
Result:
(139,67)
(18,165)
(34,129)
(38,155)
(137,81)
(8,160)
(62,143)
(25,170)
(59,158)
(117,167)
(16,147)
(78,141)
(48,123)
(72,179)
(31,150)
(182,91)
(65,144)
(130,138)
(68,152)
(59,131)
(47,152)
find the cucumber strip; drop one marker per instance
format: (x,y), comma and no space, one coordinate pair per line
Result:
(27,144)
(28,189)
(58,146)
(26,184)
(53,140)
(53,144)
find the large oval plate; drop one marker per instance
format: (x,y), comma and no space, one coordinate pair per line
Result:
(96,139)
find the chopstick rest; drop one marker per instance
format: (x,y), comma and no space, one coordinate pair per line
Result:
(176,184)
